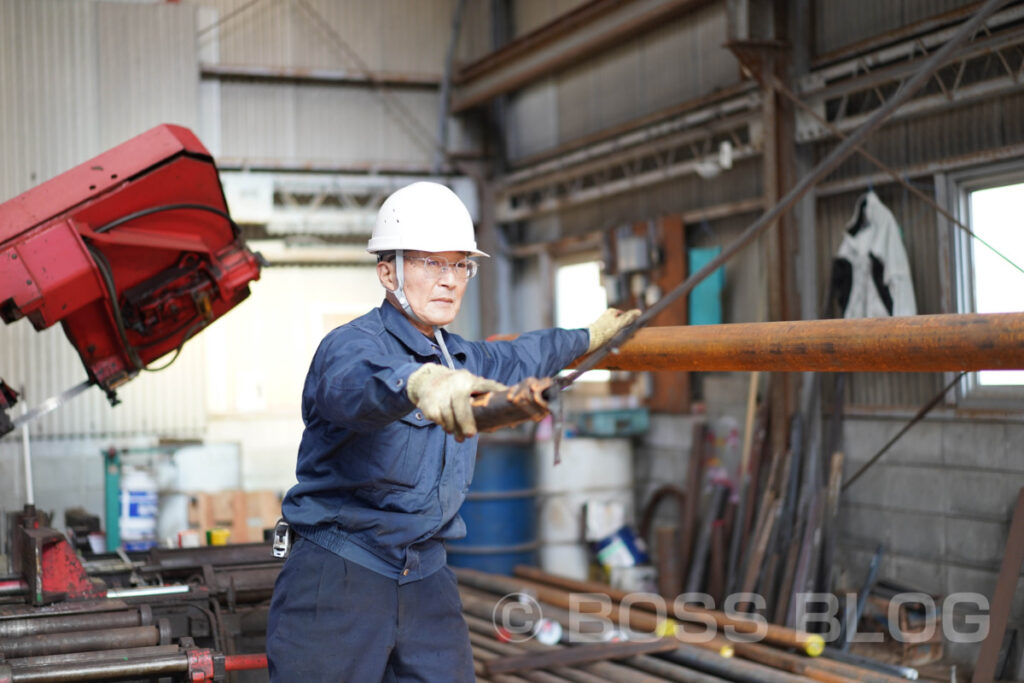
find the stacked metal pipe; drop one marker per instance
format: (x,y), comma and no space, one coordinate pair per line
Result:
(689,646)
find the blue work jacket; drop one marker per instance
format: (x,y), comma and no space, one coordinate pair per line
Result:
(378,483)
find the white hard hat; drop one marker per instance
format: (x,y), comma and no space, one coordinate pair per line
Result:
(423,217)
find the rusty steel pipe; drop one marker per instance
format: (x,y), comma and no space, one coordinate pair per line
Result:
(922,343)
(811,644)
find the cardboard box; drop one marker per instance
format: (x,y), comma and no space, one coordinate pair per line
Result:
(244,513)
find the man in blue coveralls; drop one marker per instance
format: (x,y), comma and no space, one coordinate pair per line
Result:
(387,457)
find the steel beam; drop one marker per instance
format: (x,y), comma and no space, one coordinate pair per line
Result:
(283,74)
(584,31)
(924,343)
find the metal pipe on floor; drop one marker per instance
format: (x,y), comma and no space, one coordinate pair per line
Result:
(636,619)
(810,643)
(670,670)
(922,343)
(479,606)
(479,615)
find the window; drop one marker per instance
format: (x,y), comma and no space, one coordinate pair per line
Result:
(995,217)
(991,204)
(579,299)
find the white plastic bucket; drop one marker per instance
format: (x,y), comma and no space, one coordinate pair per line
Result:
(139,505)
(591,470)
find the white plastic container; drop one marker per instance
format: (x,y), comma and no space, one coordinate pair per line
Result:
(591,470)
(139,505)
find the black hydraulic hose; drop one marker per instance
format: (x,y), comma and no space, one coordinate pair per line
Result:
(167,207)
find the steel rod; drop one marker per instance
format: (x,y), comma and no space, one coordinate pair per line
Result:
(639,620)
(581,654)
(479,613)
(811,643)
(923,343)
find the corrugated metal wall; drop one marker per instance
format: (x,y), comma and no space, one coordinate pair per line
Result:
(325,125)
(78,78)
(678,62)
(408,36)
(42,364)
(299,123)
(528,15)
(842,23)
(968,128)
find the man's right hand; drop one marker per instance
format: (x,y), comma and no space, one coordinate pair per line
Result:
(444,396)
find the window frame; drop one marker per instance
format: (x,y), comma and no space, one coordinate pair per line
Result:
(960,296)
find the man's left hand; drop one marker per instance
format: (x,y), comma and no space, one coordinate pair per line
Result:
(609,324)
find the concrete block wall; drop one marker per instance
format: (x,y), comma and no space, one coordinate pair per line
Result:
(940,500)
(663,455)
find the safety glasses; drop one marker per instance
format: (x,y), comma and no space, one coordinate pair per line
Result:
(436,266)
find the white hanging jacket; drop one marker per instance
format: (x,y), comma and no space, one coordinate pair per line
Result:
(871,274)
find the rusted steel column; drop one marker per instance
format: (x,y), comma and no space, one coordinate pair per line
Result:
(922,343)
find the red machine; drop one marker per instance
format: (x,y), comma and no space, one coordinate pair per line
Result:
(133,252)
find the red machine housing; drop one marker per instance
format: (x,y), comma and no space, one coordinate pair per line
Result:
(133,252)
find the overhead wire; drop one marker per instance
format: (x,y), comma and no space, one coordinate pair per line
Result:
(226,18)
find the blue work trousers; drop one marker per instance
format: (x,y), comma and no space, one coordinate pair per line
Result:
(334,620)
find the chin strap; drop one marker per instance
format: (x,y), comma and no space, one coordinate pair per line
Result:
(404,303)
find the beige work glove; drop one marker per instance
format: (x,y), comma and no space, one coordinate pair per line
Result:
(444,396)
(609,324)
